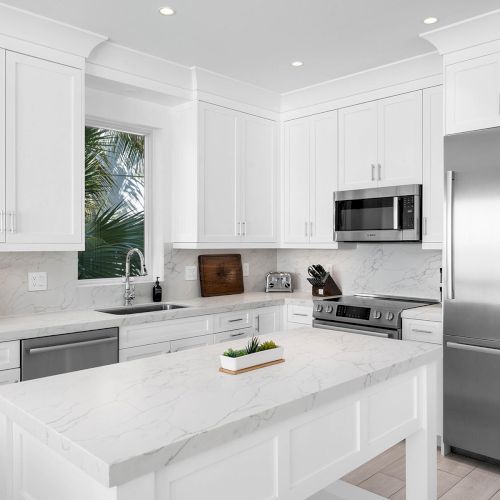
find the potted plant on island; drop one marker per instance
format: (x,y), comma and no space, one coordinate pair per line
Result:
(255,354)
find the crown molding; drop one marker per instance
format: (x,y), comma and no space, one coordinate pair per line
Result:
(23,25)
(464,34)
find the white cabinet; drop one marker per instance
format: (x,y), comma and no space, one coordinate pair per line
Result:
(310,178)
(267,320)
(380,143)
(10,355)
(144,351)
(233,320)
(41,201)
(10,376)
(472,90)
(433,168)
(191,343)
(298,316)
(224,193)
(242,333)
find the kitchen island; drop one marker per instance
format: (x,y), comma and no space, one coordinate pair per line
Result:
(173,428)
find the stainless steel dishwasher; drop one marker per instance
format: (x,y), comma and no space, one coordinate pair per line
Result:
(69,352)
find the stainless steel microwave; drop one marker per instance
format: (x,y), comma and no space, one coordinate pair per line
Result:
(378,214)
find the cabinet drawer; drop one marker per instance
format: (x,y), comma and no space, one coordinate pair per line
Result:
(10,376)
(423,331)
(300,314)
(191,343)
(233,321)
(163,331)
(144,351)
(9,355)
(233,335)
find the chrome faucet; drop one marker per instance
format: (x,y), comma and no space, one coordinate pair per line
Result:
(129,294)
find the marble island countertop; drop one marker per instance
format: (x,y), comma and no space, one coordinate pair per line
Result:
(122,421)
(43,325)
(433,312)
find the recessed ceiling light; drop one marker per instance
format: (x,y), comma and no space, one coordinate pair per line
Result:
(430,20)
(167,11)
(297,64)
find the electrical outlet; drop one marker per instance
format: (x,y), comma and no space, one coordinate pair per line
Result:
(246,269)
(190,273)
(37,281)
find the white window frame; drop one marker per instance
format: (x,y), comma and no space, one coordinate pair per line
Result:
(149,255)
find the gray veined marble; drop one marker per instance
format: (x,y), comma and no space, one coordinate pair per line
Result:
(151,412)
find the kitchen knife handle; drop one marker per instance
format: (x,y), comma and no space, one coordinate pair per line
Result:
(450,285)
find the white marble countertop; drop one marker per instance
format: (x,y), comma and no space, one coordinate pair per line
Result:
(433,312)
(43,325)
(122,421)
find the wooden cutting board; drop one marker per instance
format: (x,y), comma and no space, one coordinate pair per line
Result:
(220,274)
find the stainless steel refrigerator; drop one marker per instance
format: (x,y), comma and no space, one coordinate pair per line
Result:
(472,293)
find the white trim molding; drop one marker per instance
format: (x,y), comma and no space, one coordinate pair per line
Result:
(464,34)
(28,27)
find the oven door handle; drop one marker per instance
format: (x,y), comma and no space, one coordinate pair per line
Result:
(347,329)
(395,213)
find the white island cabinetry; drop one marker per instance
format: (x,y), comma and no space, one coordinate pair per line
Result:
(336,402)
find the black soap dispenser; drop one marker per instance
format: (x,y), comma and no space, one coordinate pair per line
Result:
(157,290)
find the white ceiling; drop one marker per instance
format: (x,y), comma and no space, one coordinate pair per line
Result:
(255,40)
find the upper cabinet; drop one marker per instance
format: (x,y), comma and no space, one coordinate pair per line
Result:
(472,89)
(310,178)
(43,196)
(380,143)
(224,177)
(433,168)
(41,161)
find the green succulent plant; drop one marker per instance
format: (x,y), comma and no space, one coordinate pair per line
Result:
(268,344)
(253,345)
(232,353)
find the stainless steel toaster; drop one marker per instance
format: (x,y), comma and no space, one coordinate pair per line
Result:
(278,282)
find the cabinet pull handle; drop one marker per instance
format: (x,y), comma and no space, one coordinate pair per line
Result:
(239,228)
(300,314)
(425,226)
(306,230)
(379,172)
(235,320)
(244,228)
(417,330)
(373,172)
(257,325)
(239,334)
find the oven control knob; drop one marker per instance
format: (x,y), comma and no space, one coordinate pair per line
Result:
(319,308)
(390,316)
(377,314)
(329,309)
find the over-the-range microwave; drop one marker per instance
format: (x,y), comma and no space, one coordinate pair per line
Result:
(378,214)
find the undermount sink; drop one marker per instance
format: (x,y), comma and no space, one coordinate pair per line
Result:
(141,308)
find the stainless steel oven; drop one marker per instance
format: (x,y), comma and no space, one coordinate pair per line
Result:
(378,214)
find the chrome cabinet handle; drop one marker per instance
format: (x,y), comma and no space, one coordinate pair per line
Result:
(235,320)
(300,314)
(379,171)
(395,212)
(60,347)
(450,178)
(373,171)
(244,228)
(417,330)
(257,326)
(306,230)
(475,348)
(239,228)
(425,226)
(239,334)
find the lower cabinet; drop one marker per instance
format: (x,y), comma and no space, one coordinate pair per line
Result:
(298,316)
(431,332)
(233,335)
(144,351)
(267,320)
(10,376)
(191,343)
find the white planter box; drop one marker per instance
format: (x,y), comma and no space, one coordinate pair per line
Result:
(257,358)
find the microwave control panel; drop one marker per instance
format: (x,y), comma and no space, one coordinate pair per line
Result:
(407,207)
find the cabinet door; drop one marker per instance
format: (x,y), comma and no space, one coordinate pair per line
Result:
(267,320)
(473,94)
(2,146)
(296,181)
(400,140)
(243,333)
(433,167)
(324,174)
(144,351)
(10,376)
(44,145)
(358,146)
(219,182)
(191,343)
(258,174)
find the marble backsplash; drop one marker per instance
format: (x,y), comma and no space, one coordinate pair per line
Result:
(389,269)
(395,269)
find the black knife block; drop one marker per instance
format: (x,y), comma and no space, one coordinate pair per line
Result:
(325,287)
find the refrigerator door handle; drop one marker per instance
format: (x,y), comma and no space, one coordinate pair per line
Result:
(475,348)
(450,177)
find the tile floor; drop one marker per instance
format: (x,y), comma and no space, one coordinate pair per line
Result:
(459,478)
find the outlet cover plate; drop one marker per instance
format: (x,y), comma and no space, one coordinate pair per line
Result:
(37,281)
(246,269)
(190,273)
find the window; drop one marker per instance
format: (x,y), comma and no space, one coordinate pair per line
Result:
(114,202)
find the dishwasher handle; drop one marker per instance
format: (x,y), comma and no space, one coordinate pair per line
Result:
(71,345)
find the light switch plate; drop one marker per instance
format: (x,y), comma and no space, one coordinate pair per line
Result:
(246,269)
(37,281)
(190,273)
